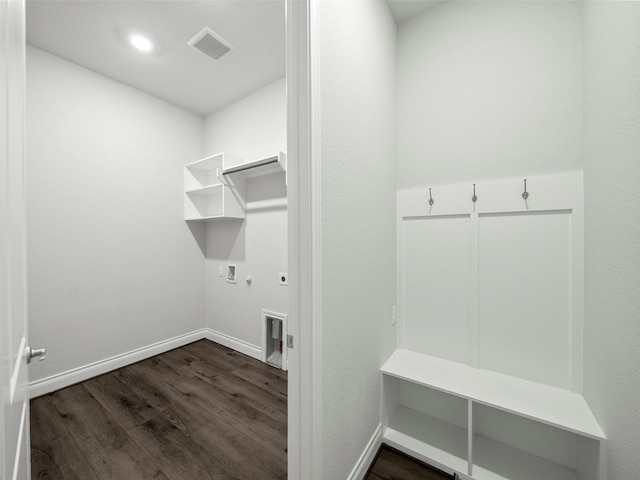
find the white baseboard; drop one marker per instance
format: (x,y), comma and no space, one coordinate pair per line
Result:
(80,374)
(233,343)
(369,453)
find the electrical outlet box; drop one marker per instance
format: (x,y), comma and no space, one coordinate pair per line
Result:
(220,271)
(394,314)
(283,279)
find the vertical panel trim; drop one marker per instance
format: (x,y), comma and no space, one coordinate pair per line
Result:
(474,290)
(470,437)
(577,298)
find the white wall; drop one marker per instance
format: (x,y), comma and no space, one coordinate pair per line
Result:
(357,41)
(513,88)
(252,128)
(612,228)
(112,265)
(489,90)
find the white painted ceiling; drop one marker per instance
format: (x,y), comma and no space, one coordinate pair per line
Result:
(94,33)
(404,9)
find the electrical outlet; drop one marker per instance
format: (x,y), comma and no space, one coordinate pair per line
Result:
(283,279)
(220,271)
(394,315)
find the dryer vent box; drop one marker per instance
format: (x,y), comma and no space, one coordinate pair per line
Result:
(211,44)
(274,339)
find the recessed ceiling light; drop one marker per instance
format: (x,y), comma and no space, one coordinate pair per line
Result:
(141,42)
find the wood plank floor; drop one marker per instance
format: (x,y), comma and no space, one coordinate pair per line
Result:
(390,464)
(199,412)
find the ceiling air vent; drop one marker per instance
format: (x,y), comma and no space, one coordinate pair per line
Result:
(210,43)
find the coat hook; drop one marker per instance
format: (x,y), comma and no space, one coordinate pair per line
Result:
(474,199)
(525,194)
(430,198)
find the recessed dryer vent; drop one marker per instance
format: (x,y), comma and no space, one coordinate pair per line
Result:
(274,334)
(210,43)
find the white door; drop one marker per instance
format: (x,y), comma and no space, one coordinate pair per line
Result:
(14,418)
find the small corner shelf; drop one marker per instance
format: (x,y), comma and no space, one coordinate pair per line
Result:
(485,425)
(206,194)
(214,187)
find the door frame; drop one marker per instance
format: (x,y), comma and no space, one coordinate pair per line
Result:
(303,150)
(304,426)
(14,416)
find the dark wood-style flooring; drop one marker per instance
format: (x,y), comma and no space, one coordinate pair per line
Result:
(199,412)
(390,464)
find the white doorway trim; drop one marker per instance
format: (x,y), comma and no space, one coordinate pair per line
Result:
(305,361)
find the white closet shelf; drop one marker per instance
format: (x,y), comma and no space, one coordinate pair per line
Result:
(208,196)
(497,461)
(208,190)
(264,166)
(211,162)
(542,403)
(430,439)
(213,217)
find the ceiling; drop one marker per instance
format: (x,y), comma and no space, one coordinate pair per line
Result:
(94,34)
(404,9)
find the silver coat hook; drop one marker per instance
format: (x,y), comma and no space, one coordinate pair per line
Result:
(525,194)
(430,198)
(474,199)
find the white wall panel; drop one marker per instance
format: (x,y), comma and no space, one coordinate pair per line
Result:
(525,288)
(436,286)
(496,284)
